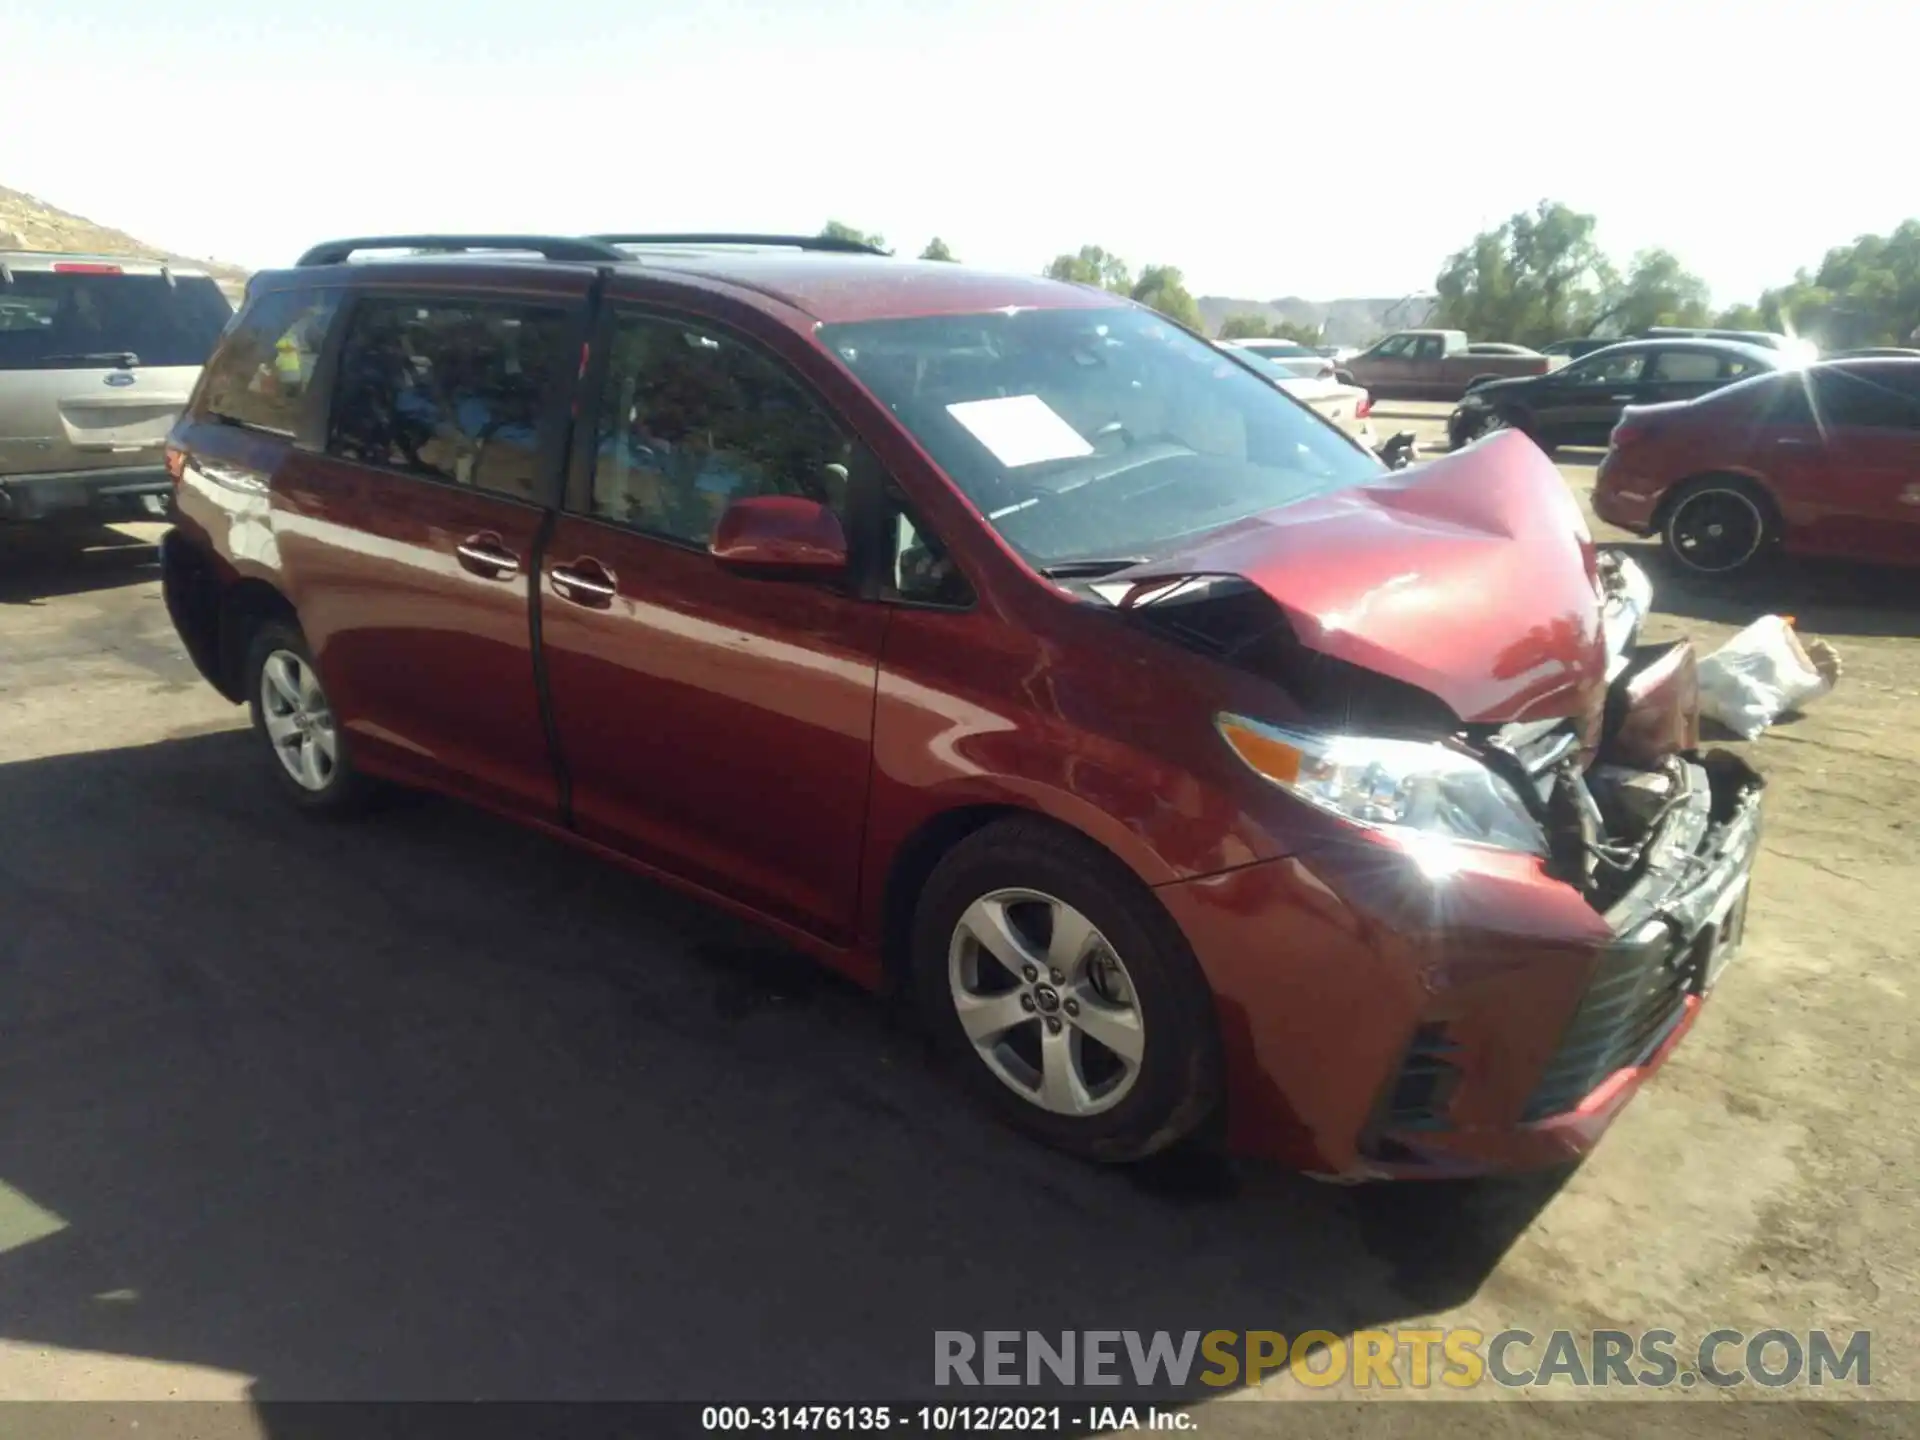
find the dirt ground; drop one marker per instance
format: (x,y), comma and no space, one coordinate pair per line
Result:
(430,1108)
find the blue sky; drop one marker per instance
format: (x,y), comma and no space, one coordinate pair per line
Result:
(1267,148)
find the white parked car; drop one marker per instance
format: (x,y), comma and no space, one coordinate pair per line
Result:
(1297,359)
(1347,406)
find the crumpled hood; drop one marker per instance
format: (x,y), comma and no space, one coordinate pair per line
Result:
(1472,577)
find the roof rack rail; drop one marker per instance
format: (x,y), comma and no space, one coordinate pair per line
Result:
(832,243)
(550,247)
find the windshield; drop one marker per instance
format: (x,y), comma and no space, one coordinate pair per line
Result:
(51,321)
(1088,434)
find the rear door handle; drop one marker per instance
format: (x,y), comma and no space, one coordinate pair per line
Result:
(487,557)
(1790,443)
(585,582)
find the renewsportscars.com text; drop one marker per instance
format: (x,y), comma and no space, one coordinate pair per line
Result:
(1413,1359)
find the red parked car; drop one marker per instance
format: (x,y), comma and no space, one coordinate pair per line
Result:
(1823,460)
(992,638)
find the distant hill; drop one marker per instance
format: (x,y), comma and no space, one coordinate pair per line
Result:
(1347,322)
(27,223)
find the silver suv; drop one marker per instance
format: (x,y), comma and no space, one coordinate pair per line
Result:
(98,354)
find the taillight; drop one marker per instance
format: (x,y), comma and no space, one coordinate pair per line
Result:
(1628,430)
(176,464)
(1364,408)
(85,267)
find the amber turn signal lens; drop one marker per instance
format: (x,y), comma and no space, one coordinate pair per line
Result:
(1275,759)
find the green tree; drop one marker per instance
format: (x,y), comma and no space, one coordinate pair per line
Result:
(1160,287)
(1536,278)
(1246,327)
(834,230)
(1163,288)
(1740,317)
(937,250)
(1092,266)
(1656,290)
(1260,327)
(1865,293)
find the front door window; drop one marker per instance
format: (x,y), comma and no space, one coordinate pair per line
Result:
(694,420)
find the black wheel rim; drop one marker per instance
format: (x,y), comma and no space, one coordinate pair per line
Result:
(1715,530)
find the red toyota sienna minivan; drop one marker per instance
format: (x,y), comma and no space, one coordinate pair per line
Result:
(997,640)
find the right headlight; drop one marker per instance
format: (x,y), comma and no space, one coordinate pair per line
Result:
(1413,786)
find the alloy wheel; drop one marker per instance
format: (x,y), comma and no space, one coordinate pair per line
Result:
(1046,1001)
(299,721)
(1714,531)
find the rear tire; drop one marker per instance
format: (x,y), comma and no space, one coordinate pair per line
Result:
(305,749)
(1087,1023)
(1718,525)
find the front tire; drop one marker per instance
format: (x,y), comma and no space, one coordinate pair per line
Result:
(1064,994)
(1718,526)
(1479,427)
(306,751)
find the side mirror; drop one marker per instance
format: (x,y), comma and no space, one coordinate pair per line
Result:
(780,537)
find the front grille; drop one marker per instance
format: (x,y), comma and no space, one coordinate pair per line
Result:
(1637,996)
(1425,1083)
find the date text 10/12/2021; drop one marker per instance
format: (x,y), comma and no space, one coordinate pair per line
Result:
(944,1419)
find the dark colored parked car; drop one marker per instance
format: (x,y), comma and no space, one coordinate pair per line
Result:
(993,639)
(1797,350)
(1579,404)
(1819,461)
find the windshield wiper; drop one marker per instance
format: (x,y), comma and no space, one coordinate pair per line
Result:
(1091,569)
(125,359)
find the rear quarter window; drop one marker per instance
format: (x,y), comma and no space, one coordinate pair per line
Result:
(262,372)
(1687,367)
(1779,399)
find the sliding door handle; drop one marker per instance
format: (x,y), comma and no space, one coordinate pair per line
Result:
(487,557)
(585,582)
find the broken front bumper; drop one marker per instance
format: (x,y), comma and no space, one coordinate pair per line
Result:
(1384,1021)
(1669,938)
(1674,932)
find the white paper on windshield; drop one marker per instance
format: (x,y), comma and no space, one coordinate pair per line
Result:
(1020,430)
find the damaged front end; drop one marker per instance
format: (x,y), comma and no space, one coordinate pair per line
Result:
(1630,799)
(1540,871)
(1613,797)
